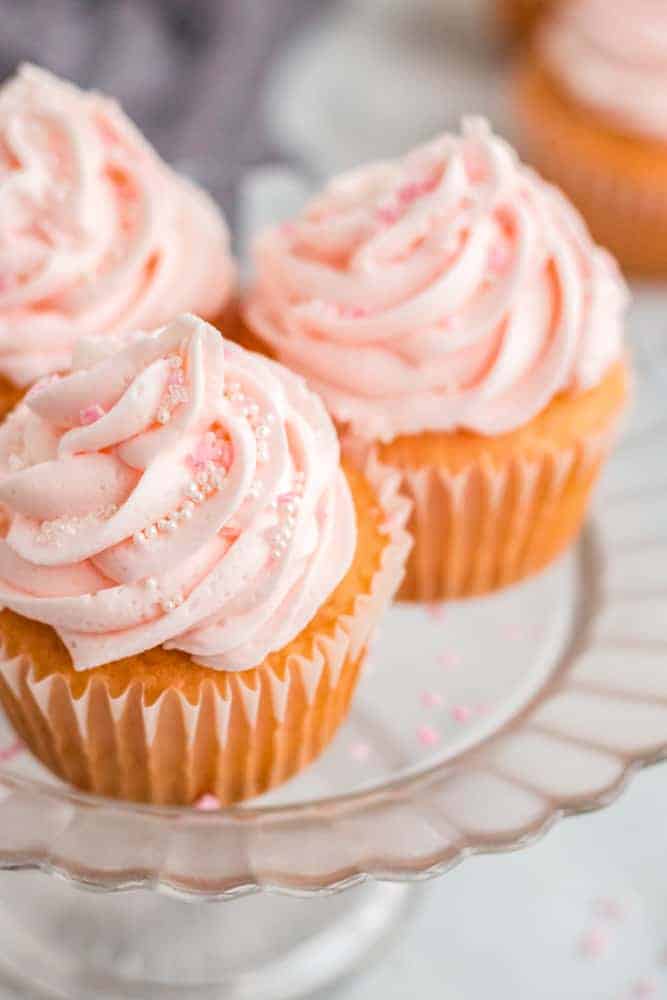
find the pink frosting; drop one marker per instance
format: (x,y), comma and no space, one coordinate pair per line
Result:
(179,492)
(97,234)
(451,289)
(612,56)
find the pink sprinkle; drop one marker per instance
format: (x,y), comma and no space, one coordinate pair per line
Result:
(286,497)
(10,752)
(388,215)
(417,189)
(352,312)
(430,183)
(208,803)
(500,257)
(175,378)
(645,988)
(90,414)
(408,193)
(288,230)
(427,736)
(431,699)
(210,449)
(594,943)
(436,610)
(461,713)
(450,324)
(449,659)
(611,909)
(360,751)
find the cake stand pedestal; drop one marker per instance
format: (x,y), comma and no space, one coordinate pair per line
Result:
(61,942)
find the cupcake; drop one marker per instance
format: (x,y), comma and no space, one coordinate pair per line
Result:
(97,234)
(518,17)
(462,327)
(189,578)
(592,112)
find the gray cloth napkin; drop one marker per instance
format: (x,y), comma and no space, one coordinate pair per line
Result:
(189,72)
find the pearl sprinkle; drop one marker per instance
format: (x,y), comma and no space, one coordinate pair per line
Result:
(58,530)
(176,390)
(167,604)
(171,603)
(288,507)
(261,425)
(209,474)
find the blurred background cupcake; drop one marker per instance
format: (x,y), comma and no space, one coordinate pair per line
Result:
(97,234)
(189,578)
(459,322)
(590,97)
(518,18)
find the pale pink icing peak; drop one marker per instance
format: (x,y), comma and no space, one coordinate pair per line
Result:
(97,234)
(611,55)
(206,513)
(451,289)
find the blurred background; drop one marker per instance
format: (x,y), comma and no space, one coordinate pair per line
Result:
(240,94)
(222,86)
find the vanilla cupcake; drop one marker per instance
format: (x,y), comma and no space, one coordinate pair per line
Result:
(591,103)
(518,18)
(97,234)
(460,324)
(189,578)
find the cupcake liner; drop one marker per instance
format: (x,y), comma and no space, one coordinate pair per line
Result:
(239,739)
(625,209)
(490,525)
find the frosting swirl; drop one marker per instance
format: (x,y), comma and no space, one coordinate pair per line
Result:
(612,57)
(180,492)
(451,289)
(97,234)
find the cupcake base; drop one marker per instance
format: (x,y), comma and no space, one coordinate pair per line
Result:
(517,18)
(617,181)
(487,512)
(159,728)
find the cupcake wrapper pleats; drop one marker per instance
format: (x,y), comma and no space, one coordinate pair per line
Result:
(491,525)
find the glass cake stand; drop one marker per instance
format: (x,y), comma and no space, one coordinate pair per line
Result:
(477,725)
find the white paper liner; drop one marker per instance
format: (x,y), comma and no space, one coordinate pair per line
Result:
(489,525)
(256,734)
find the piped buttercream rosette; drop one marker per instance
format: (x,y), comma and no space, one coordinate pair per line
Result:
(448,290)
(97,234)
(179,492)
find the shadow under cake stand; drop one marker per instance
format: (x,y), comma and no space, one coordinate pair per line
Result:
(477,725)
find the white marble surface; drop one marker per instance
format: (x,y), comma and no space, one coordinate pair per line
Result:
(515,926)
